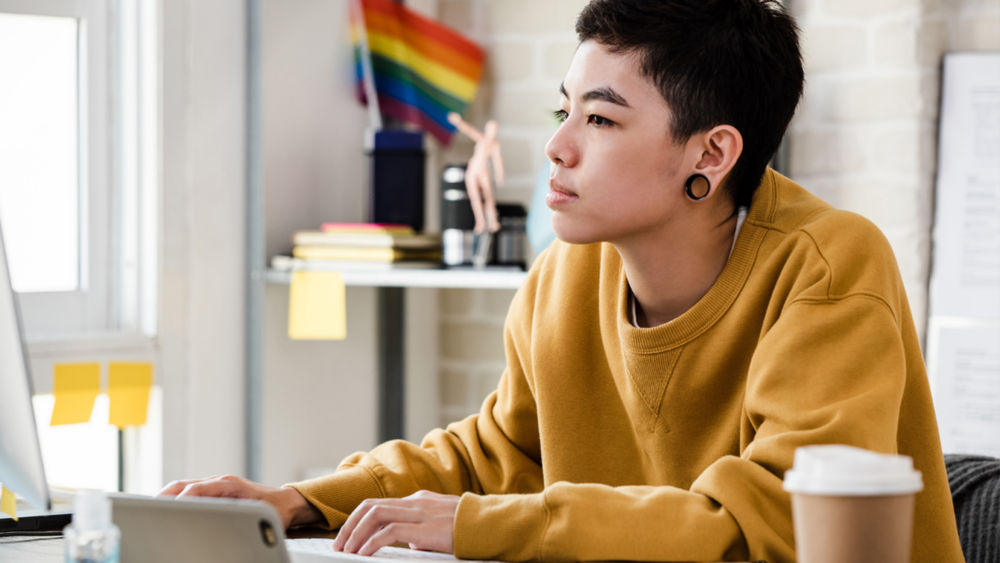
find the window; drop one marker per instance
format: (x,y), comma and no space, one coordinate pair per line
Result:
(53,189)
(77,141)
(78,186)
(40,144)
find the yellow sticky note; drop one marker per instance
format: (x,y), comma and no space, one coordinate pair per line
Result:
(317,306)
(75,387)
(8,503)
(128,393)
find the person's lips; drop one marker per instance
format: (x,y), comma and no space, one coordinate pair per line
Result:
(559,195)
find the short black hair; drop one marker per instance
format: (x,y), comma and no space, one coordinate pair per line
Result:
(715,62)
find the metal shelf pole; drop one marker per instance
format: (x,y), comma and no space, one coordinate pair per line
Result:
(256,261)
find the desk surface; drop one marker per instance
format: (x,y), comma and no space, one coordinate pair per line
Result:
(31,549)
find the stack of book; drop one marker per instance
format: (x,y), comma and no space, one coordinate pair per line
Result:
(362,246)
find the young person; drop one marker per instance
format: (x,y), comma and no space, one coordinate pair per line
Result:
(700,317)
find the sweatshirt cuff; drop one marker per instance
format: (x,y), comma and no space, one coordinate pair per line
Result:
(516,524)
(337,495)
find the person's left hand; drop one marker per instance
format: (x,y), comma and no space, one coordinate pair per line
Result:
(425,520)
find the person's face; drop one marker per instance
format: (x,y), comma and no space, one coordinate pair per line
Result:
(617,173)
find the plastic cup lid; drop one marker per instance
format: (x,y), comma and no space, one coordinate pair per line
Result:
(846,470)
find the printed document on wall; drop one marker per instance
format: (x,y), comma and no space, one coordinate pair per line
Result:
(963,336)
(965,281)
(967,388)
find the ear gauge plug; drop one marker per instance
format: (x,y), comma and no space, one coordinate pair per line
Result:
(697,187)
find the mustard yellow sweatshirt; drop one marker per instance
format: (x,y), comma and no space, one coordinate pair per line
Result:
(605,441)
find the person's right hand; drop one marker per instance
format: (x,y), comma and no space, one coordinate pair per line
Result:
(292,507)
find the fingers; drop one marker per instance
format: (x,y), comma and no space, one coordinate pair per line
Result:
(216,486)
(173,488)
(221,486)
(424,520)
(176,487)
(291,506)
(390,534)
(371,517)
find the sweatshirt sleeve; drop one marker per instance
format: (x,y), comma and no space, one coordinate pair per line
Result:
(494,451)
(827,371)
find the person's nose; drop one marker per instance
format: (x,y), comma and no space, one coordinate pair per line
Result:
(561,148)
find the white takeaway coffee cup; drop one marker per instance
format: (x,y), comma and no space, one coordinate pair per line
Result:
(851,504)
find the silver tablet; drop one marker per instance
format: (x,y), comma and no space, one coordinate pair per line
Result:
(168,530)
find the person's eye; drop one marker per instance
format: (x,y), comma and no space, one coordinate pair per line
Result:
(599,121)
(560,115)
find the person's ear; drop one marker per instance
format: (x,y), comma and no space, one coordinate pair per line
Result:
(720,147)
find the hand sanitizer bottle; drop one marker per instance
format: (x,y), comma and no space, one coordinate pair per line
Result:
(91,537)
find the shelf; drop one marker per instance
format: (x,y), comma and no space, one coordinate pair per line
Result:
(415,277)
(391,287)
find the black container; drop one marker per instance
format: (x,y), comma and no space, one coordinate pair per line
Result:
(457,224)
(457,219)
(397,179)
(509,242)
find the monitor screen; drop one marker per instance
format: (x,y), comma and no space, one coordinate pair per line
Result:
(21,469)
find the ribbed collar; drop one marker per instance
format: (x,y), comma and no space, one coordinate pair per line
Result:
(714,304)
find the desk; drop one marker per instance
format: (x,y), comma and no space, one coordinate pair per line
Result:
(391,298)
(49,550)
(31,549)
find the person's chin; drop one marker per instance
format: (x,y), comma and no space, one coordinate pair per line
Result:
(572,232)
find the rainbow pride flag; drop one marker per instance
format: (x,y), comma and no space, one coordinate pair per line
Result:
(422,69)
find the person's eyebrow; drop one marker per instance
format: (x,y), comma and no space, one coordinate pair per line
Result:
(604,94)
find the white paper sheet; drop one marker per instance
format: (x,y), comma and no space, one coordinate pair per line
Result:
(966,362)
(963,334)
(965,281)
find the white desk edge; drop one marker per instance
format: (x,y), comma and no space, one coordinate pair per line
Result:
(415,277)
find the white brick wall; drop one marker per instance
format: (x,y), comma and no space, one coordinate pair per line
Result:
(528,46)
(864,137)
(526,57)
(471,350)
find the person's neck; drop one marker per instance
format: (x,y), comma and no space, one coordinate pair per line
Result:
(669,272)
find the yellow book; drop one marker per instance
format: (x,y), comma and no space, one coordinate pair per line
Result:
(367,239)
(332,227)
(376,254)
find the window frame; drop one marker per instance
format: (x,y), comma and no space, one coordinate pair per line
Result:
(89,308)
(114,314)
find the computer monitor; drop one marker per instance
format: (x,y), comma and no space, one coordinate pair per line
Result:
(21,469)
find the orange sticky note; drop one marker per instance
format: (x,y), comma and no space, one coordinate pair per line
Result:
(8,503)
(317,306)
(75,387)
(128,393)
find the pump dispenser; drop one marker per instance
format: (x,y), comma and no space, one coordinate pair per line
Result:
(92,537)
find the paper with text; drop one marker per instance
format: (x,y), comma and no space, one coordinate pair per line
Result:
(965,281)
(967,388)
(963,336)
